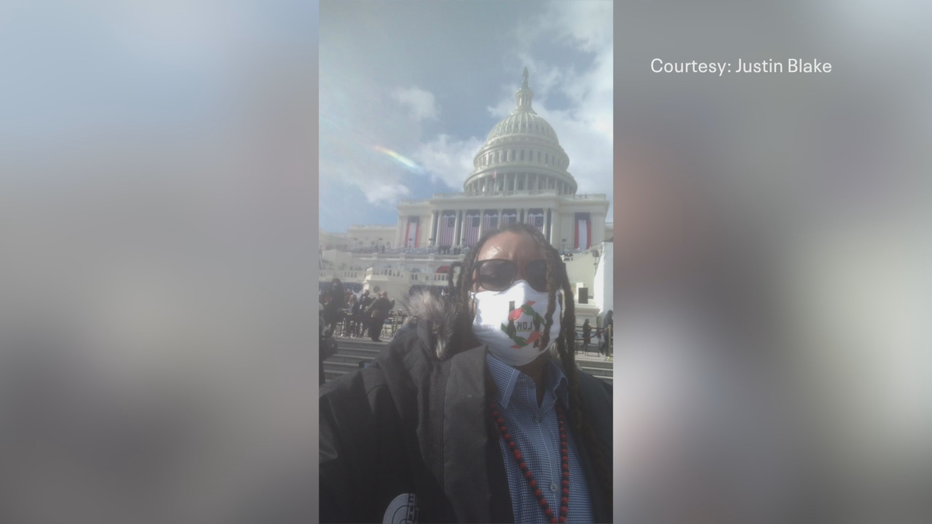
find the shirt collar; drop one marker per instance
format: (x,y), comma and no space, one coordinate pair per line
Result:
(506,378)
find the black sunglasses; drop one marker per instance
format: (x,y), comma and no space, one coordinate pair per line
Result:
(499,274)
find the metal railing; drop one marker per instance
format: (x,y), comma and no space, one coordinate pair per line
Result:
(471,194)
(588,196)
(330,274)
(414,276)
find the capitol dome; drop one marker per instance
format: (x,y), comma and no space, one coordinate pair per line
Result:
(521,153)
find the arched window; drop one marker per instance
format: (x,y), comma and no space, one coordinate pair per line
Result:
(522,155)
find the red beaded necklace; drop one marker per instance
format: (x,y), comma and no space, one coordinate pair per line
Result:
(564,461)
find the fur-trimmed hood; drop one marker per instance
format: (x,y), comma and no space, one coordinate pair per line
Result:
(438,316)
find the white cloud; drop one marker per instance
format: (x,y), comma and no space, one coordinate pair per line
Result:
(447,159)
(421,104)
(502,109)
(585,127)
(584,25)
(588,24)
(384,193)
(353,121)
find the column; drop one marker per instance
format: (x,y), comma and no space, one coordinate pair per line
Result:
(481,221)
(424,229)
(459,238)
(554,230)
(547,225)
(598,228)
(433,227)
(456,228)
(399,231)
(500,218)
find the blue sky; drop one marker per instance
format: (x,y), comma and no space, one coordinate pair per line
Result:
(429,80)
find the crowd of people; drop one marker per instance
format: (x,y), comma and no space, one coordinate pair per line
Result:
(603,334)
(356,313)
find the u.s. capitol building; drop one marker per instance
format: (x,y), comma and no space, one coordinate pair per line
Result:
(520,174)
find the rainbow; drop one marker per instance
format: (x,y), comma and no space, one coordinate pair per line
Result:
(410,164)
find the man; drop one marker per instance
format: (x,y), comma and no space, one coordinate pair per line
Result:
(378,312)
(351,303)
(356,313)
(335,299)
(363,324)
(456,421)
(607,341)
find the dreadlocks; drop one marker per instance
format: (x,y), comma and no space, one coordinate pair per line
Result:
(557,280)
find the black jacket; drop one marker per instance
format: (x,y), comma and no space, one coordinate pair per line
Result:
(416,421)
(381,307)
(358,307)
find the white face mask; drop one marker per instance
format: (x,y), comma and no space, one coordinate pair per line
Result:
(511,322)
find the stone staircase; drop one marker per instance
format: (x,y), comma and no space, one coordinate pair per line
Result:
(354,351)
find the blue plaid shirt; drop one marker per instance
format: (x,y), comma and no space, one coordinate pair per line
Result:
(536,433)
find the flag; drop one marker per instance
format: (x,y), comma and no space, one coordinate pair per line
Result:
(447,223)
(583,233)
(412,232)
(471,229)
(490,222)
(535,217)
(509,216)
